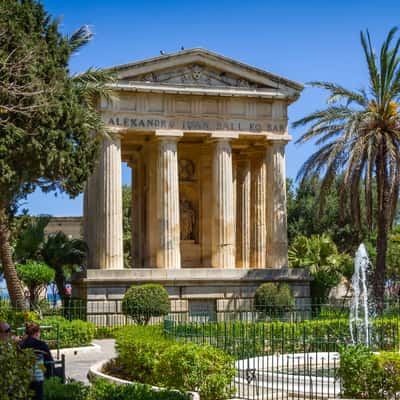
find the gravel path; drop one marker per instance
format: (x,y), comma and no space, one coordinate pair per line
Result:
(78,364)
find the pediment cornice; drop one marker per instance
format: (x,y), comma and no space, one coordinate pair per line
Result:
(200,69)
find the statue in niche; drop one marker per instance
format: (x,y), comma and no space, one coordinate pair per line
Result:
(187,220)
(186,170)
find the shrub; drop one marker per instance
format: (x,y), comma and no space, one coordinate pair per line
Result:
(71,333)
(145,301)
(15,318)
(148,357)
(249,339)
(285,296)
(139,349)
(102,390)
(106,332)
(36,275)
(369,375)
(273,299)
(197,368)
(265,295)
(356,363)
(15,371)
(54,389)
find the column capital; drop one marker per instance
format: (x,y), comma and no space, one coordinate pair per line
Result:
(278,140)
(223,136)
(165,134)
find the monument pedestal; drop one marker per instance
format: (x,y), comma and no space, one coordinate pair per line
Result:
(191,290)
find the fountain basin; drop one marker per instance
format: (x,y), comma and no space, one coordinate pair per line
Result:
(308,375)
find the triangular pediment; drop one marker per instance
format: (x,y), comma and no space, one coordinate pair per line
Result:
(201,68)
(196,74)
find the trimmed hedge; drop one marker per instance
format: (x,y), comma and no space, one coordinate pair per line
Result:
(73,333)
(147,356)
(248,339)
(54,389)
(269,297)
(139,350)
(365,374)
(102,390)
(141,302)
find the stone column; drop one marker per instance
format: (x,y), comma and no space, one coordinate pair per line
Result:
(137,227)
(223,255)
(258,211)
(277,247)
(243,231)
(109,238)
(90,206)
(168,252)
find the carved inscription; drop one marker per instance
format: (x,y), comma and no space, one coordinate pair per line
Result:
(195,124)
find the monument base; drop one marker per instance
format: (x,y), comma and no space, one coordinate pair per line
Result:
(192,291)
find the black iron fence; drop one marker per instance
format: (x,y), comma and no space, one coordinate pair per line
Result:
(284,359)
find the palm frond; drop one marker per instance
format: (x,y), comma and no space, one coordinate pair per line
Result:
(94,83)
(339,93)
(79,38)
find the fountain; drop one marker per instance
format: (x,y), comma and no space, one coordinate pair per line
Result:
(309,374)
(360,328)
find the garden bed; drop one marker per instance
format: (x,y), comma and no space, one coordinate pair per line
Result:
(106,370)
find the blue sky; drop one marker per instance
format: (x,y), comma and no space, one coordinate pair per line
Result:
(301,40)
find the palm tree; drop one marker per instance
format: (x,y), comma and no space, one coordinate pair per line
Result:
(30,241)
(358,133)
(65,256)
(58,251)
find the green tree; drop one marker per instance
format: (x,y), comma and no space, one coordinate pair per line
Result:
(64,256)
(127,224)
(47,117)
(141,302)
(320,256)
(358,134)
(304,218)
(36,276)
(30,240)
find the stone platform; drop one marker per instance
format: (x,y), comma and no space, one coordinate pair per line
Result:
(191,290)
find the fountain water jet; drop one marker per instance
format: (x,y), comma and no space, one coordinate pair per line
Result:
(359,310)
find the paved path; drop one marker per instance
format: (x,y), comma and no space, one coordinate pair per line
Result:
(77,365)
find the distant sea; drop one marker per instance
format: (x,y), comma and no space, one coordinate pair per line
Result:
(52,293)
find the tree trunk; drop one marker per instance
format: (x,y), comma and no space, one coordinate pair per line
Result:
(382,225)
(380,269)
(13,283)
(60,283)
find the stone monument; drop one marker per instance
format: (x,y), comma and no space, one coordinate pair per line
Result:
(205,137)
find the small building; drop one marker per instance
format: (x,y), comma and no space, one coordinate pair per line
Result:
(71,226)
(205,138)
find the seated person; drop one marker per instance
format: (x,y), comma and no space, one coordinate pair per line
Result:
(43,358)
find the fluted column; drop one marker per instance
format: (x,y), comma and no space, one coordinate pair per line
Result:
(223,255)
(258,212)
(137,211)
(168,252)
(109,238)
(90,206)
(243,231)
(277,247)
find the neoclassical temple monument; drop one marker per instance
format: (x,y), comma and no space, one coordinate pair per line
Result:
(205,138)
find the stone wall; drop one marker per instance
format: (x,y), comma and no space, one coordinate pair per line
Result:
(191,291)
